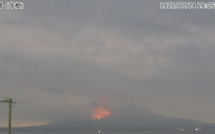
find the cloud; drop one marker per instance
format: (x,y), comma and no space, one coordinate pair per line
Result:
(118,52)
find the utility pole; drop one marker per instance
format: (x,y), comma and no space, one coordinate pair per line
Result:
(10,102)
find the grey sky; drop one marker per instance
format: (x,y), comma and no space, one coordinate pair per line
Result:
(57,56)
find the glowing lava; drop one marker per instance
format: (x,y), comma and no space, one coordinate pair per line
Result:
(100,113)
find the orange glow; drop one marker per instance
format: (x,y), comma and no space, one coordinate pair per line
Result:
(100,113)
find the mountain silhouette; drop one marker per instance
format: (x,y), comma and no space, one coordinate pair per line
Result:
(123,118)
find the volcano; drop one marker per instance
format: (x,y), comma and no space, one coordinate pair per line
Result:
(121,118)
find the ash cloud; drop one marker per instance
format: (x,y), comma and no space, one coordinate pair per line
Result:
(56,56)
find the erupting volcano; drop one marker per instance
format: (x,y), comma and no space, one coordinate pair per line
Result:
(100,113)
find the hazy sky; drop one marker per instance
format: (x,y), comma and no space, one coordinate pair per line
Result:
(59,56)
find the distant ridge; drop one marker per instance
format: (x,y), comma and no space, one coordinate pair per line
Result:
(124,118)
